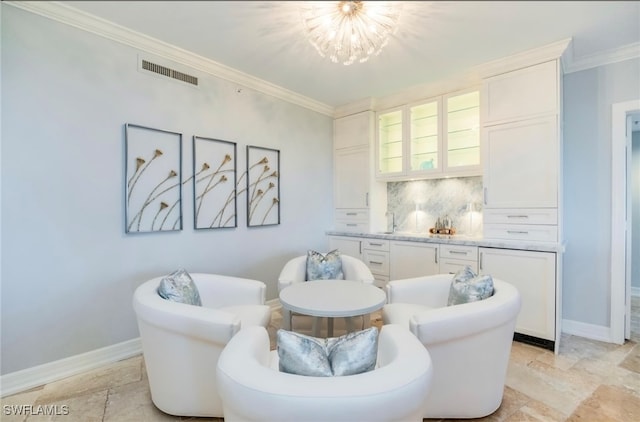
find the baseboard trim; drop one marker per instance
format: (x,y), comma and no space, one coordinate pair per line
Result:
(590,331)
(36,376)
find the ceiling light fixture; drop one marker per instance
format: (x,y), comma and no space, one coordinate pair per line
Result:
(350,31)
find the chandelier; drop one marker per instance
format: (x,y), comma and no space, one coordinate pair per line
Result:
(350,31)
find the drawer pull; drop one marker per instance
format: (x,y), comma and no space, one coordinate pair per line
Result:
(517,216)
(517,232)
(352,224)
(375,262)
(459,252)
(352,213)
(375,244)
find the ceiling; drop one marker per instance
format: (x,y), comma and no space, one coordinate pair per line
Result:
(435,40)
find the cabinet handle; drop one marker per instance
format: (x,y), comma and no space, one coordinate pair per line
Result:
(352,213)
(375,262)
(480,263)
(484,195)
(375,244)
(459,252)
(366,199)
(517,232)
(435,254)
(360,247)
(517,216)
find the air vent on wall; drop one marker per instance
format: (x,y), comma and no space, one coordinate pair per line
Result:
(171,73)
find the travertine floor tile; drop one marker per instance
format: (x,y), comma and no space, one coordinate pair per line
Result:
(608,403)
(16,410)
(132,402)
(79,408)
(631,361)
(120,373)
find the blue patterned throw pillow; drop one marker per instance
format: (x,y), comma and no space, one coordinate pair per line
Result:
(324,267)
(179,287)
(467,287)
(351,354)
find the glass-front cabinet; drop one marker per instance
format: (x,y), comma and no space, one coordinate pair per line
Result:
(463,130)
(432,138)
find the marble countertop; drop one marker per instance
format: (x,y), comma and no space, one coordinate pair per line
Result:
(456,240)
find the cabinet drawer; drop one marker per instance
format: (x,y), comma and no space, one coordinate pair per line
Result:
(459,252)
(352,214)
(352,226)
(452,266)
(541,233)
(521,216)
(376,244)
(377,261)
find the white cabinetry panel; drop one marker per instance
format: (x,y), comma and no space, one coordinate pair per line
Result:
(523,93)
(521,164)
(412,259)
(534,275)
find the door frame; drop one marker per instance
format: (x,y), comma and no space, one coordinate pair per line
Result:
(620,261)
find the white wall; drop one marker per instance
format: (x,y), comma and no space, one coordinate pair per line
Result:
(588,96)
(68,268)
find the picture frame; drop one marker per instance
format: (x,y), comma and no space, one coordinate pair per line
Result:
(263,186)
(153,179)
(214,184)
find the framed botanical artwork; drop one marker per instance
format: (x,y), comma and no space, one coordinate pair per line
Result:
(153,174)
(263,186)
(214,183)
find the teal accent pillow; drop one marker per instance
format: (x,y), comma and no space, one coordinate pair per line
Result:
(467,287)
(179,287)
(324,266)
(350,354)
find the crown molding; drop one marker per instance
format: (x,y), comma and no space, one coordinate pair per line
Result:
(625,52)
(101,27)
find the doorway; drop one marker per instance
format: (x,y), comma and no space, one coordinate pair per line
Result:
(621,219)
(634,197)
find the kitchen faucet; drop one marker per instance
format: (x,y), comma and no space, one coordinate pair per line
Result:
(393,221)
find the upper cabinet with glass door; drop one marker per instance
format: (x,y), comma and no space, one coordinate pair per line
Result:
(463,131)
(430,139)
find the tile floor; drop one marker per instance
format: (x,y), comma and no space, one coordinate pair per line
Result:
(587,381)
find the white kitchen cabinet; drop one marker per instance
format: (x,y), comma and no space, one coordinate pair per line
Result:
(412,259)
(351,178)
(438,137)
(453,258)
(357,195)
(522,147)
(351,246)
(521,164)
(522,94)
(376,256)
(533,273)
(352,131)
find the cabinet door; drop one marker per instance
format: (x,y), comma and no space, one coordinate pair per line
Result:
(534,275)
(351,178)
(462,132)
(523,93)
(390,143)
(412,259)
(351,246)
(521,164)
(425,144)
(352,131)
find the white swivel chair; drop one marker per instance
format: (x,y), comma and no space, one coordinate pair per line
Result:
(253,389)
(181,343)
(469,344)
(294,271)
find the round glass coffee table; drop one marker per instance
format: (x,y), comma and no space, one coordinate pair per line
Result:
(332,299)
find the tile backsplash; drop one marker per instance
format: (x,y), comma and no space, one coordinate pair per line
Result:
(417,204)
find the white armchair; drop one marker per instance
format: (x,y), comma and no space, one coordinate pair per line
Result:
(294,271)
(181,343)
(253,389)
(469,344)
